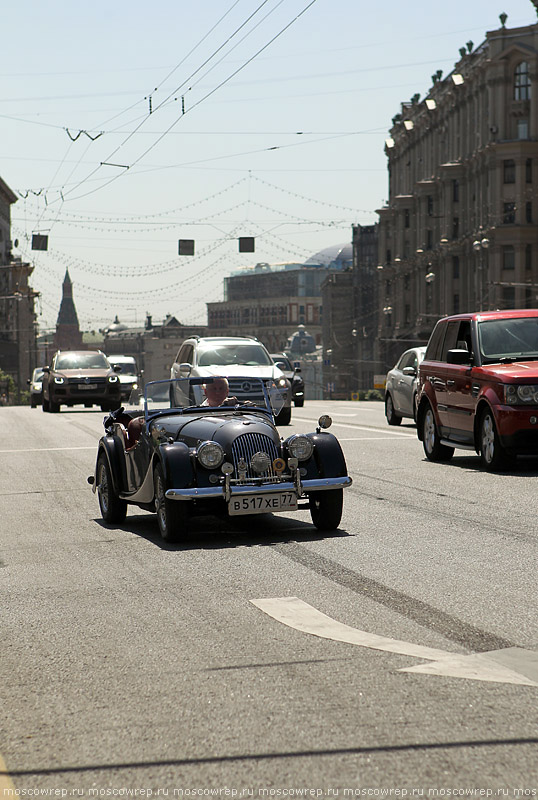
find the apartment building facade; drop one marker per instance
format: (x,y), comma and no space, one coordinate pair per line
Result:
(459,232)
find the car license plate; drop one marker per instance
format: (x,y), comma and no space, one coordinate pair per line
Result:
(263,503)
(87,386)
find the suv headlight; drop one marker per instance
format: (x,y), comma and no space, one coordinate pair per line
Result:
(58,379)
(515,394)
(210,455)
(300,447)
(282,383)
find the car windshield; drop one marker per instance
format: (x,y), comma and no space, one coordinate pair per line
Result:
(127,367)
(248,355)
(508,339)
(217,394)
(283,360)
(81,361)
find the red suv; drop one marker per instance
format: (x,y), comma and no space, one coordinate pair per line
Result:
(478,387)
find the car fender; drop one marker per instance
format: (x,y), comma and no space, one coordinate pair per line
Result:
(328,455)
(176,461)
(427,398)
(114,451)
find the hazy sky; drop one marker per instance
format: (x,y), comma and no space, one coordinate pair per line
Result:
(265,122)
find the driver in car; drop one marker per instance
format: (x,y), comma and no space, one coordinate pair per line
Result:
(216,393)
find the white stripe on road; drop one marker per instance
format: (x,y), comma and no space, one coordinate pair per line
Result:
(48,449)
(357,427)
(512,665)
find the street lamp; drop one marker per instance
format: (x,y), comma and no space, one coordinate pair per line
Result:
(479,246)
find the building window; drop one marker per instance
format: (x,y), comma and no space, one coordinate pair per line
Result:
(528,211)
(522,82)
(529,298)
(509,171)
(455,191)
(455,267)
(406,281)
(388,257)
(407,314)
(456,304)
(455,227)
(407,218)
(528,256)
(509,213)
(429,205)
(522,129)
(429,239)
(528,170)
(508,297)
(509,257)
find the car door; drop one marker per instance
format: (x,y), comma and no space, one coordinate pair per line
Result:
(404,384)
(433,375)
(460,401)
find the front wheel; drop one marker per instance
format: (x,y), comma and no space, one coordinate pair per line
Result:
(392,417)
(435,451)
(113,509)
(326,509)
(492,453)
(172,515)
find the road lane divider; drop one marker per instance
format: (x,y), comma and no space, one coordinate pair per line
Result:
(511,665)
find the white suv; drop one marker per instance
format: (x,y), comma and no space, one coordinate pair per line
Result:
(239,356)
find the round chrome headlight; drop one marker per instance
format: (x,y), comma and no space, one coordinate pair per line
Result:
(210,455)
(300,447)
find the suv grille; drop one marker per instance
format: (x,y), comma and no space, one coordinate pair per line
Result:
(246,445)
(246,390)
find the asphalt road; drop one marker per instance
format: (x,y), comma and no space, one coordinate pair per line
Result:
(130,668)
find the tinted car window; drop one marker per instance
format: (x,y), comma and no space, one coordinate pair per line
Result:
(408,360)
(227,355)
(434,345)
(81,361)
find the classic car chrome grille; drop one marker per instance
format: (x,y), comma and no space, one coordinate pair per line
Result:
(246,390)
(244,447)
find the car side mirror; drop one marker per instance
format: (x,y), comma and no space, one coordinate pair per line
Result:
(297,369)
(46,369)
(116,368)
(457,356)
(280,365)
(411,371)
(185,368)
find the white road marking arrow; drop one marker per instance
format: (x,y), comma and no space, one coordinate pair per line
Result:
(512,665)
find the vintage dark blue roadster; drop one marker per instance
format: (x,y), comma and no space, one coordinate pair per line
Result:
(227,460)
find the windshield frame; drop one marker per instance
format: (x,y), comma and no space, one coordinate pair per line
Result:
(502,333)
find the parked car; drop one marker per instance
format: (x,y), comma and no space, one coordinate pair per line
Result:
(478,387)
(228,460)
(127,373)
(80,377)
(401,386)
(240,358)
(36,387)
(293,374)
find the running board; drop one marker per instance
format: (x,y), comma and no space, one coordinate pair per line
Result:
(449,443)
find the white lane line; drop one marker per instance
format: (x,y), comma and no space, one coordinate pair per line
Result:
(366,439)
(48,449)
(512,665)
(357,427)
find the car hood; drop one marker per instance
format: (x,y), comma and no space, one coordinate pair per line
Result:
(526,371)
(221,427)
